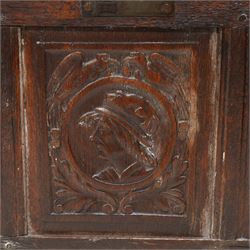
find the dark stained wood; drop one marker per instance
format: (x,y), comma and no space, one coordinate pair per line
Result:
(12,191)
(52,200)
(21,11)
(187,14)
(36,115)
(243,230)
(233,169)
(100,60)
(125,145)
(121,242)
(127,8)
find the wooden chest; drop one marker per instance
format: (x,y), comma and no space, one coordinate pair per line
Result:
(124,124)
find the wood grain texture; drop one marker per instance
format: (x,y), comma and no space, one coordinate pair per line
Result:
(245,210)
(68,13)
(51,49)
(215,194)
(12,190)
(121,242)
(233,165)
(35,131)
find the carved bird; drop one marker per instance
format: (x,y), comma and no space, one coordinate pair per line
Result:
(154,68)
(72,71)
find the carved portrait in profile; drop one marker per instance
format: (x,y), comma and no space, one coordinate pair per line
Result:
(124,131)
(116,143)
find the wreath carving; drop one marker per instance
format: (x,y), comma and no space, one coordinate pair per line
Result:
(125,127)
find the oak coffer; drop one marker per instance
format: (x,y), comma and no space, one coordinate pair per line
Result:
(124,124)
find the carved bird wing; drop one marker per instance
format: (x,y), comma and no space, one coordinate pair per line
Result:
(64,76)
(165,65)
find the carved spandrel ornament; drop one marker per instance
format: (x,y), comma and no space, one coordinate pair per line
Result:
(118,133)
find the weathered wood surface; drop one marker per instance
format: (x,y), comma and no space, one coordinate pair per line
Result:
(224,212)
(120,69)
(118,242)
(69,13)
(232,190)
(12,191)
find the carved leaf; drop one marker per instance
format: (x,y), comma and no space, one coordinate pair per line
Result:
(164,195)
(74,195)
(61,79)
(172,201)
(74,181)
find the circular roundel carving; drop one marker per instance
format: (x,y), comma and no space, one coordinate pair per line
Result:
(119,133)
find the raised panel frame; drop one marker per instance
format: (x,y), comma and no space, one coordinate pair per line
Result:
(196,221)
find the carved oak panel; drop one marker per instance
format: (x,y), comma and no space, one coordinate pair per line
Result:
(118,127)
(120,130)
